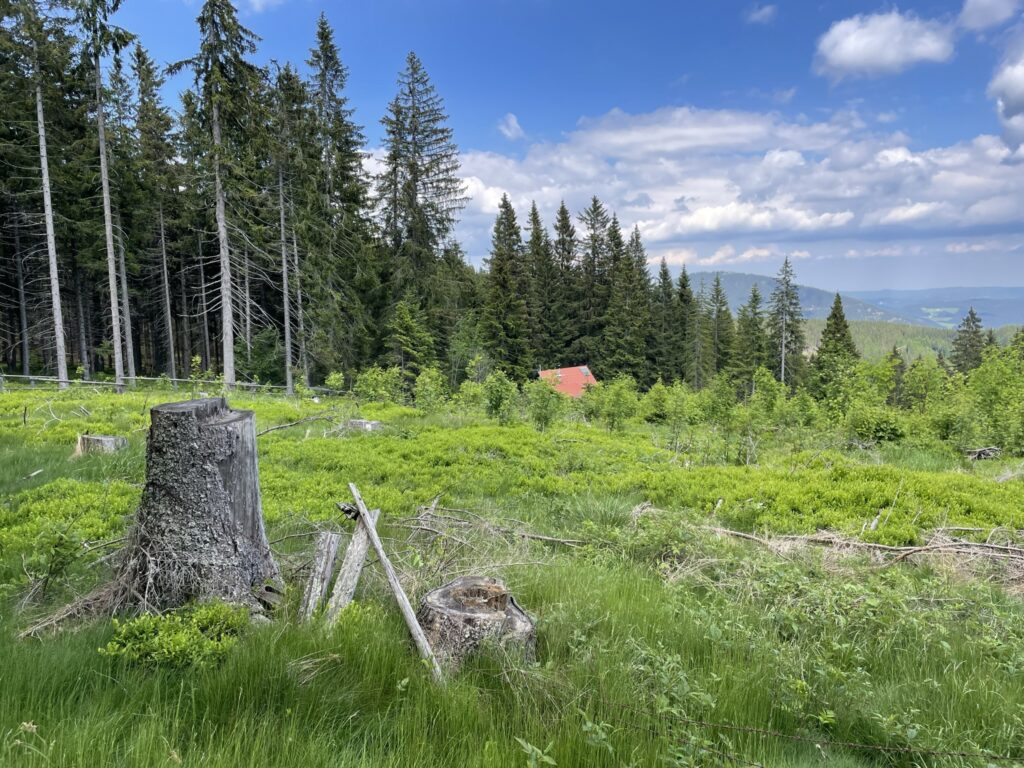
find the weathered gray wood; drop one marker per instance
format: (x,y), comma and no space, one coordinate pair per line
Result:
(422,644)
(100,444)
(351,567)
(459,616)
(320,578)
(198,532)
(364,425)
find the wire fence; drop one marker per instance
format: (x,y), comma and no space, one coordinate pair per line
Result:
(194,385)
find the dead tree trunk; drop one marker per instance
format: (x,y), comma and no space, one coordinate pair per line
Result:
(198,532)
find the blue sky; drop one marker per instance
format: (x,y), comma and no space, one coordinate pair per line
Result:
(876,144)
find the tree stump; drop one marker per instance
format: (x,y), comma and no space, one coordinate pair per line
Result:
(198,532)
(100,444)
(459,616)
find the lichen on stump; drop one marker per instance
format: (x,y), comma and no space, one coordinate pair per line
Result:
(458,617)
(198,532)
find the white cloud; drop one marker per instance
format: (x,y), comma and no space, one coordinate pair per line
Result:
(761,14)
(1007,88)
(967,247)
(982,14)
(258,6)
(510,128)
(881,44)
(695,179)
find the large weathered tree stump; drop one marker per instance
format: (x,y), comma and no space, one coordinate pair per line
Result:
(461,615)
(198,532)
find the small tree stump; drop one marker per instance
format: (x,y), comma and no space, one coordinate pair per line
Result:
(198,531)
(459,616)
(100,444)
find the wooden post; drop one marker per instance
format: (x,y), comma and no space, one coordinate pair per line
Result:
(351,567)
(396,586)
(323,567)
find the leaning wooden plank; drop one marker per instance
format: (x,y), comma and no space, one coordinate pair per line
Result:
(396,586)
(351,568)
(323,567)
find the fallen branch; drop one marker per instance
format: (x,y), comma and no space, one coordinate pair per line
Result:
(307,420)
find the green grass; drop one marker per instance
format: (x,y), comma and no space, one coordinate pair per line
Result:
(653,628)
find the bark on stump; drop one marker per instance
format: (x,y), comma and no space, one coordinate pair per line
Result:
(459,616)
(198,532)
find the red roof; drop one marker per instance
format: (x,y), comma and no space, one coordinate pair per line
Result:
(570,381)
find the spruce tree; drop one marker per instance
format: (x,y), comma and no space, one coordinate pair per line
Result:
(751,349)
(408,345)
(224,80)
(627,321)
(156,178)
(419,190)
(700,346)
(786,328)
(836,353)
(505,323)
(968,344)
(723,330)
(684,307)
(663,344)
(592,293)
(546,311)
(565,248)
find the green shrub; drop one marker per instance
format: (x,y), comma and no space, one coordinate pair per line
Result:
(379,385)
(336,381)
(431,390)
(544,403)
(619,402)
(196,636)
(500,396)
(654,405)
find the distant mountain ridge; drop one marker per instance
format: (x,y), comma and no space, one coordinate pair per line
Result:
(816,303)
(931,307)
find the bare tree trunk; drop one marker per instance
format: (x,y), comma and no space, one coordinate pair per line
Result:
(22,304)
(51,245)
(288,382)
(248,308)
(186,325)
(129,337)
(83,344)
(172,368)
(303,360)
(206,325)
(108,231)
(226,299)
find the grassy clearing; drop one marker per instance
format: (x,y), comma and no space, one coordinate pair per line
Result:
(652,627)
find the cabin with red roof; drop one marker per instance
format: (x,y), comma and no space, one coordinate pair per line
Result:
(570,381)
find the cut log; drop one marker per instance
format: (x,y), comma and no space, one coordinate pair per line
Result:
(100,444)
(351,568)
(320,578)
(422,644)
(461,615)
(198,532)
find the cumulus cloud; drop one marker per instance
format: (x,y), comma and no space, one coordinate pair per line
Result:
(881,44)
(258,6)
(982,14)
(695,180)
(761,14)
(1007,89)
(510,128)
